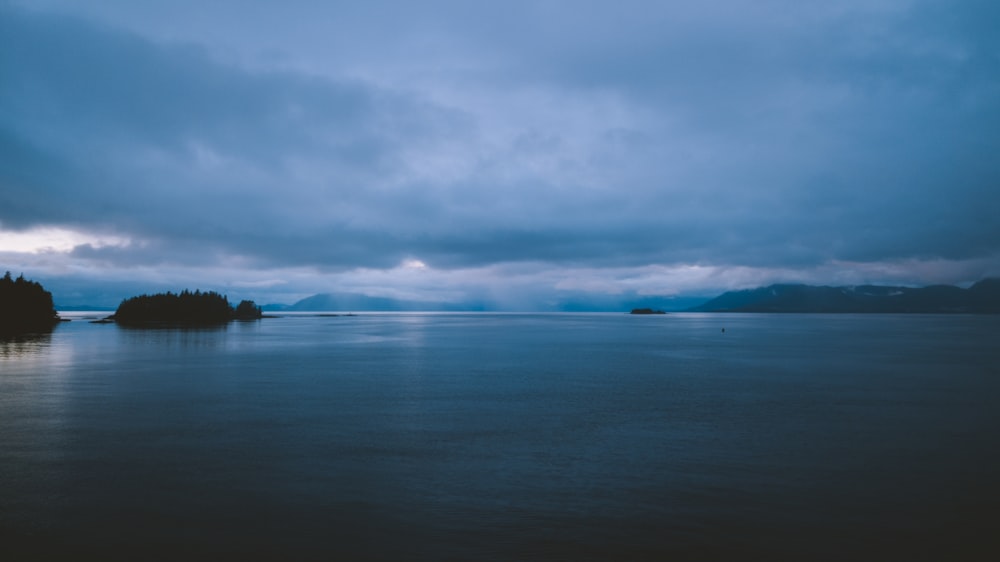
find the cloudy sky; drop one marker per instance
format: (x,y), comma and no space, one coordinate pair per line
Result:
(515,153)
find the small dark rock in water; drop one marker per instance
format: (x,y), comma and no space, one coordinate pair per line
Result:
(646,311)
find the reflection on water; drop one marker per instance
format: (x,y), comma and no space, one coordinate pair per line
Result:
(173,327)
(21,344)
(173,336)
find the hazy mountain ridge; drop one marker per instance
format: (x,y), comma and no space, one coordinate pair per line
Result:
(981,298)
(347,302)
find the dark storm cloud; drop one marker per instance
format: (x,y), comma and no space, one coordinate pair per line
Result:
(861,133)
(587,134)
(162,142)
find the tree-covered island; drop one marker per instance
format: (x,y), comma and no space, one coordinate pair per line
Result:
(646,311)
(185,308)
(25,306)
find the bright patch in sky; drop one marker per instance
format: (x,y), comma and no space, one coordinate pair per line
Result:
(414,264)
(54,239)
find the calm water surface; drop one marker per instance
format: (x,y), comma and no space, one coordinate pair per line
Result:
(506,437)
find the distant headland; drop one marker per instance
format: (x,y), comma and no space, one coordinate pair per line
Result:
(25,307)
(981,298)
(646,311)
(184,308)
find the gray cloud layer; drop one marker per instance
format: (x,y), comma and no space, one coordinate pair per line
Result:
(598,135)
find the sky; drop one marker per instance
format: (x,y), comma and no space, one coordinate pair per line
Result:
(515,153)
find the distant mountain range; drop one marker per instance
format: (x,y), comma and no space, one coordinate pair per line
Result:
(348,302)
(85,308)
(983,297)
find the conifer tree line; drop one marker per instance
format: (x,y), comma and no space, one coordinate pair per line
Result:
(25,305)
(186,307)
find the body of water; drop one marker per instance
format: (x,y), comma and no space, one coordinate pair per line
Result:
(506,437)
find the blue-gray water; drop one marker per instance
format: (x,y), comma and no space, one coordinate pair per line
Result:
(506,437)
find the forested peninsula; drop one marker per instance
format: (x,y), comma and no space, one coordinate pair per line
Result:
(184,308)
(982,297)
(25,307)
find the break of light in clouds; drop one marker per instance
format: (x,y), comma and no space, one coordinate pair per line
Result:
(509,153)
(52,240)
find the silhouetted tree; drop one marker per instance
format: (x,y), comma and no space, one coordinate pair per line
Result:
(247,310)
(25,306)
(184,308)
